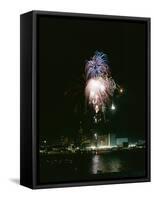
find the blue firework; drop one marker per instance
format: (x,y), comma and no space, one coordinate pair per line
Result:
(97,66)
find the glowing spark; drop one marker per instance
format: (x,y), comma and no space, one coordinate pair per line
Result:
(121,90)
(113,107)
(95,119)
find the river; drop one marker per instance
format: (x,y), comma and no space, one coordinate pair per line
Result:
(83,166)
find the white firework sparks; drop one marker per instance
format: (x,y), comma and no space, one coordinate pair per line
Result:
(98,91)
(99,86)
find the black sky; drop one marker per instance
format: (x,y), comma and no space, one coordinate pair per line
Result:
(63,47)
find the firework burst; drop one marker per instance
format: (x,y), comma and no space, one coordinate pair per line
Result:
(100,86)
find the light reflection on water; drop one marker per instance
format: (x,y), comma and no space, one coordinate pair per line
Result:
(101,164)
(70,167)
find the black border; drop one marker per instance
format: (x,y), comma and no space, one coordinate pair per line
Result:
(35,112)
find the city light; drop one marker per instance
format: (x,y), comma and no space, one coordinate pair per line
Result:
(132,145)
(92,147)
(104,147)
(95,135)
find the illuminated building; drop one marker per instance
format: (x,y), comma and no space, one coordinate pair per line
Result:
(121,142)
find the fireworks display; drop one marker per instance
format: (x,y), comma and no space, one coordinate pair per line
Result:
(100,86)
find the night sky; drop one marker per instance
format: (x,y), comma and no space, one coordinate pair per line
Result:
(64,45)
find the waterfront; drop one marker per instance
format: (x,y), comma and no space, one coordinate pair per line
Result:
(87,166)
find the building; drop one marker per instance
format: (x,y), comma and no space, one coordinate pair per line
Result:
(111,139)
(122,142)
(103,140)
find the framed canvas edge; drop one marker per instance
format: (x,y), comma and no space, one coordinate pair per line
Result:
(147,178)
(88,15)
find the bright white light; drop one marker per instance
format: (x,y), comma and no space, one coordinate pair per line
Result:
(104,147)
(95,135)
(96,108)
(96,84)
(121,90)
(113,107)
(92,147)
(132,145)
(95,119)
(96,87)
(98,92)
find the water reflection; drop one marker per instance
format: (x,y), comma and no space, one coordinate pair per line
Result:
(70,167)
(102,164)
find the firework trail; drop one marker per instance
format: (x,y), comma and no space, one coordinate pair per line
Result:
(100,86)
